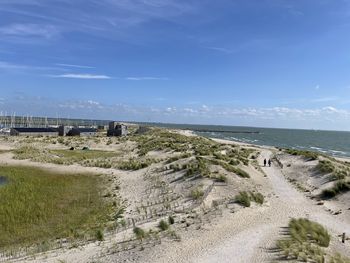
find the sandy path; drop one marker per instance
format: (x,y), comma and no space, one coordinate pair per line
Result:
(247,235)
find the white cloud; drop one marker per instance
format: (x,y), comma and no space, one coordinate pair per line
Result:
(73,66)
(221,49)
(12,66)
(82,76)
(29,30)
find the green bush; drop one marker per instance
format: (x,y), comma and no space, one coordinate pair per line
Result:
(99,235)
(139,233)
(163,225)
(243,198)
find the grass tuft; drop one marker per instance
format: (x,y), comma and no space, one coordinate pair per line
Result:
(163,225)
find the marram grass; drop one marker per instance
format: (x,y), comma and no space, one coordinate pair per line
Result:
(38,205)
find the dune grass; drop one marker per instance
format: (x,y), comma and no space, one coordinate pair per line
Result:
(38,206)
(66,157)
(306,154)
(245,198)
(339,187)
(305,241)
(325,166)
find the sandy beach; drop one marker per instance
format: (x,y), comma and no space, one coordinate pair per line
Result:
(226,233)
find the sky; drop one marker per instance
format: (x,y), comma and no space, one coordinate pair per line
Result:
(266,63)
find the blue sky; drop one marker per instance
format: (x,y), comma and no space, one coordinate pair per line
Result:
(271,63)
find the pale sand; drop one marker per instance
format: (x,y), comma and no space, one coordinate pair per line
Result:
(247,236)
(243,236)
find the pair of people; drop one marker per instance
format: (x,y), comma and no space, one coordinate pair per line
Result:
(269,162)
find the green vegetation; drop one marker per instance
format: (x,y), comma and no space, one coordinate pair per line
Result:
(257,198)
(325,166)
(89,158)
(306,154)
(66,157)
(339,187)
(230,168)
(244,198)
(163,225)
(305,241)
(339,175)
(221,178)
(178,157)
(38,206)
(337,258)
(199,147)
(197,193)
(99,235)
(139,233)
(135,164)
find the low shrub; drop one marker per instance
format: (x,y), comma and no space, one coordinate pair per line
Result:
(163,225)
(99,235)
(197,193)
(221,178)
(257,198)
(243,198)
(139,233)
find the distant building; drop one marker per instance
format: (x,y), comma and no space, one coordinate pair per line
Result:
(34,132)
(117,129)
(102,127)
(74,131)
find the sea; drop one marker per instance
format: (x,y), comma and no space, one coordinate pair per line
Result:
(334,143)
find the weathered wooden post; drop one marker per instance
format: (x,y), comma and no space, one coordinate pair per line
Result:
(343,238)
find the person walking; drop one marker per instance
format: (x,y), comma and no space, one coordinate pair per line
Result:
(264,162)
(269,163)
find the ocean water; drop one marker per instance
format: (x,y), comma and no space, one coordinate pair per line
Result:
(335,143)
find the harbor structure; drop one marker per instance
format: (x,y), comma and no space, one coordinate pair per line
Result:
(76,131)
(117,129)
(34,132)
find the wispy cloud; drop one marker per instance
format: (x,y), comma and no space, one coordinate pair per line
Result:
(145,78)
(81,76)
(5,65)
(29,30)
(221,49)
(108,15)
(73,66)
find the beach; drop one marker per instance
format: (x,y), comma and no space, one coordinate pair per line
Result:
(212,229)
